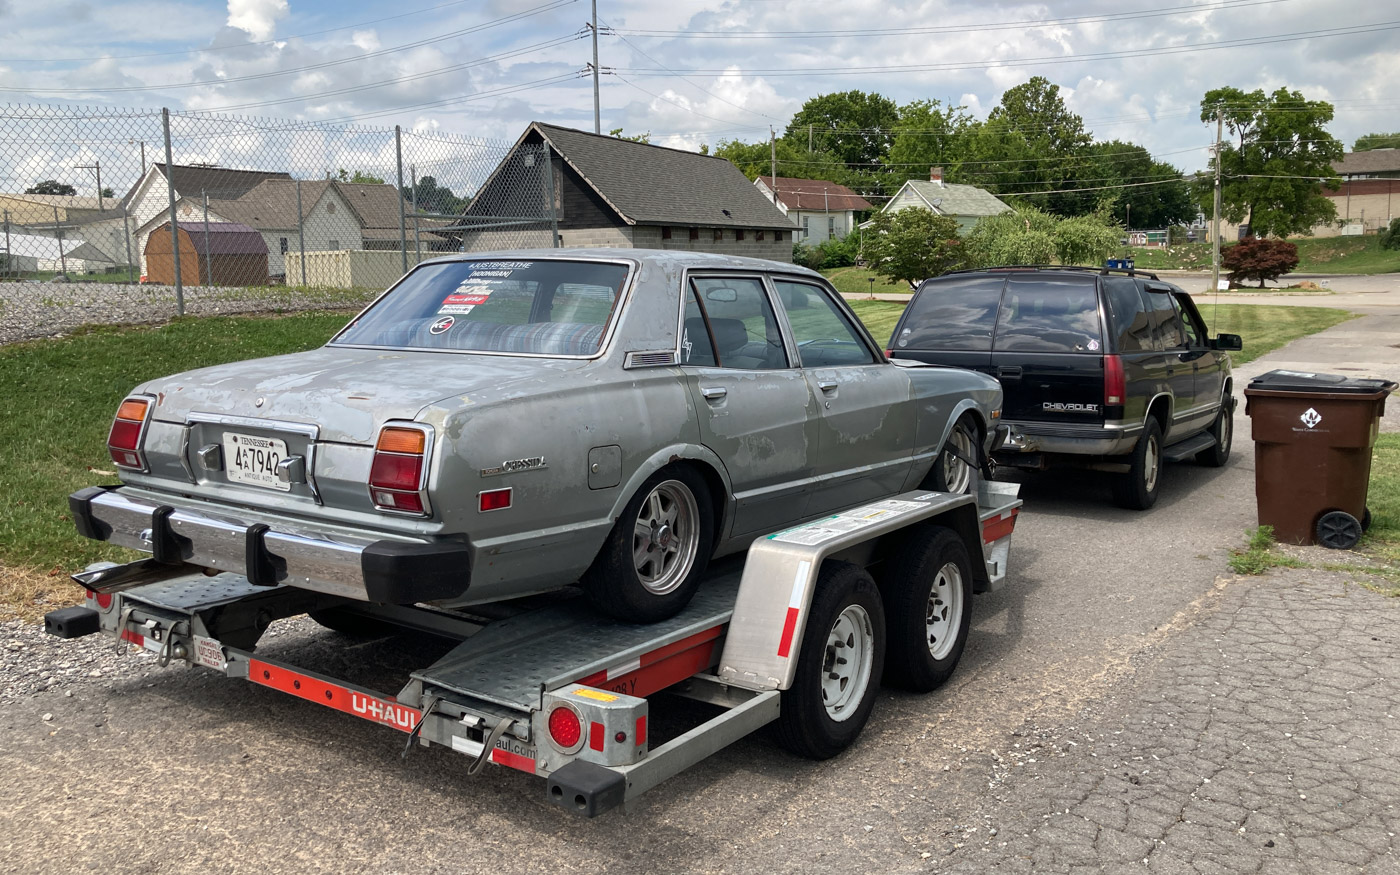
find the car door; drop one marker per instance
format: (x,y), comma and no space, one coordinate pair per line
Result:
(1207,365)
(755,410)
(1180,374)
(866,413)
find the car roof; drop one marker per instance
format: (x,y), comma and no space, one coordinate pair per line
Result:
(1060,269)
(674,257)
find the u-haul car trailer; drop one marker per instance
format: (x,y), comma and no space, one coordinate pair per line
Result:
(799,635)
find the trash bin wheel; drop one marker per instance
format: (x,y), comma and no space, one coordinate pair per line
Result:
(1338,530)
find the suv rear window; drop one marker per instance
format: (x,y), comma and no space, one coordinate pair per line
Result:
(954,314)
(1048,314)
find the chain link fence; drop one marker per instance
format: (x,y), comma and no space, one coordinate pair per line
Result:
(127,216)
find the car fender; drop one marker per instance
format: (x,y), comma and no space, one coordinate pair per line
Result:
(669,455)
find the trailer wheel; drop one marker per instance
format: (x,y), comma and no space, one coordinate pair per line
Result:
(928,593)
(838,666)
(653,560)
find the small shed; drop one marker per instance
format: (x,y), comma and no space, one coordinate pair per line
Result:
(219,253)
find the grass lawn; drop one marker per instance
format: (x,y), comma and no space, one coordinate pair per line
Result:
(62,394)
(856,281)
(1382,541)
(1355,255)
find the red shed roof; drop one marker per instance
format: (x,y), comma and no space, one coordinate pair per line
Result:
(815,194)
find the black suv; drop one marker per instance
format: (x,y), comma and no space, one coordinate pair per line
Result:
(1106,369)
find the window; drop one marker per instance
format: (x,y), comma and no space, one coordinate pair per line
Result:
(1168,326)
(806,227)
(1196,334)
(333,245)
(1127,314)
(831,226)
(738,233)
(740,328)
(719,234)
(282,244)
(778,236)
(953,314)
(665,232)
(825,336)
(694,233)
(1049,315)
(758,235)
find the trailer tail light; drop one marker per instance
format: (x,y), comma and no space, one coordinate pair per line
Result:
(565,728)
(128,431)
(398,476)
(1114,386)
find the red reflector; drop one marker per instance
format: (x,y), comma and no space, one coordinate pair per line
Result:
(565,727)
(496,499)
(125,434)
(1114,387)
(393,471)
(889,353)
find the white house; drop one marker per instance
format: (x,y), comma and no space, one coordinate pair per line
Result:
(820,209)
(965,203)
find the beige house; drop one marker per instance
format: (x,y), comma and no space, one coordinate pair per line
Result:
(963,203)
(821,210)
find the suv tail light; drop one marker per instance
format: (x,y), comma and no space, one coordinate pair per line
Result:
(128,431)
(398,476)
(1114,386)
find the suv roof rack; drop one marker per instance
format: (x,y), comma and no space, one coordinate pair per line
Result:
(1102,271)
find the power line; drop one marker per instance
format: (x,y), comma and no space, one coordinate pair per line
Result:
(468,98)
(496,22)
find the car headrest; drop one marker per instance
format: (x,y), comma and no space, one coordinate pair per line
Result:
(730,335)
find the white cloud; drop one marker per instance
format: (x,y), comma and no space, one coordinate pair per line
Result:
(258,17)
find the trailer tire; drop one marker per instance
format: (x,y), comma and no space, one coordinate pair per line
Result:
(928,601)
(831,695)
(672,503)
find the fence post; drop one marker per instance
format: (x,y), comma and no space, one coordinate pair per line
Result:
(58,231)
(403,224)
(9,256)
(208,262)
(554,241)
(301,240)
(174,223)
(126,235)
(417,242)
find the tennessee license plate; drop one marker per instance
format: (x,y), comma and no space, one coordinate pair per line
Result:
(253,460)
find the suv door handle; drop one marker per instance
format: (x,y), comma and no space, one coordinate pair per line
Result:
(827,386)
(1012,372)
(714,393)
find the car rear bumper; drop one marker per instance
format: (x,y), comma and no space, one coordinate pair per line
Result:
(363,566)
(1026,437)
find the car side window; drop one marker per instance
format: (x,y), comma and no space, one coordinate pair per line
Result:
(1169,329)
(1195,331)
(1127,314)
(825,338)
(737,322)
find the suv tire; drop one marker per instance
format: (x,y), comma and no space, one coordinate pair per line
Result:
(1137,489)
(1223,430)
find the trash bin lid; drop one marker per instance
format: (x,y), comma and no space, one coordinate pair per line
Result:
(1306,381)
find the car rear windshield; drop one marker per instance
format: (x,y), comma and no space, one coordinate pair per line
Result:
(953,314)
(552,308)
(1049,314)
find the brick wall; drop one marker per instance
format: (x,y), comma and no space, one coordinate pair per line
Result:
(650,237)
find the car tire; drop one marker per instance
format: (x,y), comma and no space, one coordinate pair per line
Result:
(1137,489)
(1223,430)
(658,550)
(951,471)
(838,665)
(928,608)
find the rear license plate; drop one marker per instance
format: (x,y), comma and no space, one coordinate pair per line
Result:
(253,460)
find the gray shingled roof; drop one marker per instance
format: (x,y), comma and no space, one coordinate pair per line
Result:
(219,182)
(654,185)
(1369,162)
(958,200)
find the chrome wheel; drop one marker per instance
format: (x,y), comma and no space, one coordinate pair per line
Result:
(1151,463)
(957,474)
(1227,426)
(846,664)
(666,537)
(943,616)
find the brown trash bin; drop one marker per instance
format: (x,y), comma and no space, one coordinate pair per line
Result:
(1313,435)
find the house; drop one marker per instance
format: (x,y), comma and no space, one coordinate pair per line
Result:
(1370,194)
(25,252)
(611,192)
(46,209)
(965,203)
(820,209)
(216,254)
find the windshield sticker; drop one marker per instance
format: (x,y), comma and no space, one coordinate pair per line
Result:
(439,326)
(462,303)
(685,343)
(497,269)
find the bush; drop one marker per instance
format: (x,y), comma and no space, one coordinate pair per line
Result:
(1259,258)
(839,253)
(1025,235)
(1390,238)
(806,256)
(912,245)
(1085,240)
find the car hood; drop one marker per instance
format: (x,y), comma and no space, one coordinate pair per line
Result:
(349,393)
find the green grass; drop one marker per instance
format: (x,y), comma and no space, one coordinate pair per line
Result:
(879,317)
(1353,255)
(856,281)
(1265,328)
(1258,556)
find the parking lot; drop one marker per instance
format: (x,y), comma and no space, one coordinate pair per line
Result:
(1123,702)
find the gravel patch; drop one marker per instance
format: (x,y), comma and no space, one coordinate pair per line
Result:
(35,310)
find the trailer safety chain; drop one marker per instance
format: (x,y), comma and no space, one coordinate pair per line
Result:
(121,628)
(167,648)
(418,727)
(480,762)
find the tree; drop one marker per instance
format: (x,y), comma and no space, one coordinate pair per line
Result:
(358,176)
(1153,195)
(434,198)
(636,138)
(1368,142)
(855,126)
(929,135)
(1086,239)
(1026,235)
(913,244)
(755,159)
(1270,174)
(107,192)
(51,186)
(1255,258)
(1390,238)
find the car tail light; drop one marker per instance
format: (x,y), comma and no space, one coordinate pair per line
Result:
(565,728)
(398,476)
(494,499)
(128,430)
(1114,386)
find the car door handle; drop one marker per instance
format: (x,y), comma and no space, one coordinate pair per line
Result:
(714,393)
(1012,372)
(827,386)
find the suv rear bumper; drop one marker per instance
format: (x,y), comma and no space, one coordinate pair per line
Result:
(358,566)
(1031,437)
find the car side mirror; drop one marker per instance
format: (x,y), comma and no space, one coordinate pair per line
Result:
(1228,342)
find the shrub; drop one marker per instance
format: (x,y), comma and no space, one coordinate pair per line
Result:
(912,245)
(1085,240)
(1025,235)
(806,256)
(1390,238)
(839,253)
(1260,259)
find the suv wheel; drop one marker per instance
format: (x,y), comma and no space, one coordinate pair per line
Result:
(1223,431)
(1137,489)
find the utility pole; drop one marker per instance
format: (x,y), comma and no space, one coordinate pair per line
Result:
(1215,218)
(597,117)
(809,138)
(208,262)
(773,160)
(95,166)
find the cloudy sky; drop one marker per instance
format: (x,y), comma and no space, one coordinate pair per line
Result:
(698,71)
